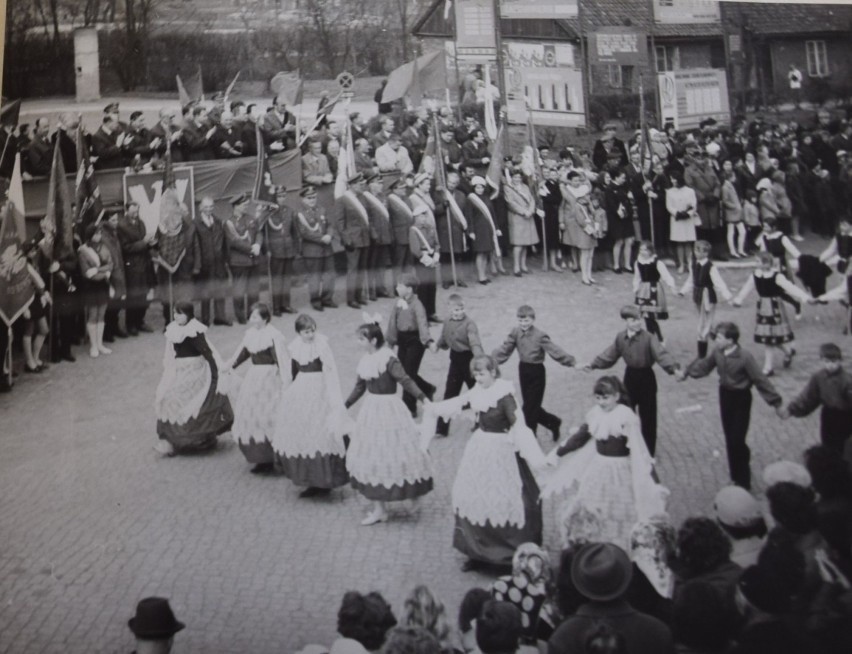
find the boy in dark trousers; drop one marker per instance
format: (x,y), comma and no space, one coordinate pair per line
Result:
(460,336)
(640,350)
(532,344)
(738,372)
(706,283)
(830,388)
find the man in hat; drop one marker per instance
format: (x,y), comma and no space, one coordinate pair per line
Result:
(740,517)
(602,572)
(315,168)
(475,151)
(282,244)
(210,261)
(316,234)
(245,239)
(353,225)
(381,237)
(640,351)
(401,218)
(392,157)
(609,150)
(154,626)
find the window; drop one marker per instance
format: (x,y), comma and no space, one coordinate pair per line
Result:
(817,58)
(620,77)
(668,58)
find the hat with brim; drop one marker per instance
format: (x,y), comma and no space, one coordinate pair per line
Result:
(154,620)
(308,192)
(477,180)
(357,177)
(601,571)
(420,178)
(240,199)
(111,108)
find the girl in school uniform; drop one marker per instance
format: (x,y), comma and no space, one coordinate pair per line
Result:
(385,460)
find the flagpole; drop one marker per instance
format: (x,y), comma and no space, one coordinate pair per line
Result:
(441,175)
(534,143)
(645,144)
(50,319)
(268,263)
(318,120)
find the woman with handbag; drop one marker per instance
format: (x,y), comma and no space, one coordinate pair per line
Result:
(681,204)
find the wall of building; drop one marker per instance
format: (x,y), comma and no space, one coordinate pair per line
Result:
(793,51)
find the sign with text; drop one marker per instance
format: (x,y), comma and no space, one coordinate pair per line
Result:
(539,8)
(678,12)
(475,30)
(688,97)
(619,45)
(146,189)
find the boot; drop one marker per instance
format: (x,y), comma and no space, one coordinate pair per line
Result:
(92,332)
(702,349)
(100,336)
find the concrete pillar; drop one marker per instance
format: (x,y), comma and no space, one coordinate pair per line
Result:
(86,64)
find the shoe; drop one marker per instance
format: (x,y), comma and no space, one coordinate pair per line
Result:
(147,330)
(517,274)
(629,270)
(69,357)
(287,309)
(461,284)
(262,469)
(37,369)
(434,318)
(317,306)
(788,359)
(223,323)
(587,282)
(374,518)
(555,430)
(743,255)
(798,238)
(331,305)
(735,255)
(133,332)
(617,271)
(121,333)
(165,448)
(471,565)
(313,491)
(353,305)
(5,387)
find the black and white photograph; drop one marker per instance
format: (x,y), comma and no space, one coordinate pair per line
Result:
(426,327)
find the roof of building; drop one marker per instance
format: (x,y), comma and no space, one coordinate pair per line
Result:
(791,19)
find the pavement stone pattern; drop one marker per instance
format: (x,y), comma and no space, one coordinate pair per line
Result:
(92,520)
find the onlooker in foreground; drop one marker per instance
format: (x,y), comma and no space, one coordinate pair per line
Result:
(154,626)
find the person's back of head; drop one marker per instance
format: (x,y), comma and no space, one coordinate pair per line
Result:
(701,547)
(702,618)
(603,639)
(154,626)
(793,507)
(365,618)
(498,628)
(411,640)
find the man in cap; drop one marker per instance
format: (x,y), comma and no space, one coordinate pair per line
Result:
(315,168)
(154,626)
(210,261)
(353,225)
(282,245)
(316,235)
(166,132)
(640,351)
(136,250)
(112,110)
(700,177)
(381,237)
(245,239)
(602,572)
(609,150)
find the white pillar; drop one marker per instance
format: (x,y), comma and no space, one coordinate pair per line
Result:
(86,64)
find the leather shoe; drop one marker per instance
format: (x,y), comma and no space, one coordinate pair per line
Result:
(317,306)
(462,284)
(287,309)
(121,333)
(353,304)
(313,491)
(223,323)
(331,305)
(69,357)
(434,318)
(145,329)
(133,332)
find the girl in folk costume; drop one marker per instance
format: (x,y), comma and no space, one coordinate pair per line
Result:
(191,409)
(479,213)
(605,482)
(650,294)
(773,241)
(773,327)
(260,392)
(311,418)
(425,252)
(521,207)
(96,266)
(385,460)
(495,496)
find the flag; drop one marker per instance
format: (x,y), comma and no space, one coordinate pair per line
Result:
(171,247)
(448,7)
(88,196)
(192,90)
(424,74)
(490,121)
(10,113)
(345,162)
(494,173)
(262,191)
(16,195)
(231,88)
(59,217)
(415,93)
(288,88)
(16,287)
(328,107)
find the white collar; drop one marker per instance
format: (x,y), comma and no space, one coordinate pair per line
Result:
(482,399)
(176,333)
(303,353)
(374,364)
(257,340)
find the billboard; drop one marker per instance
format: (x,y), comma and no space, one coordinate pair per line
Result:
(539,8)
(543,74)
(689,96)
(675,12)
(475,30)
(625,46)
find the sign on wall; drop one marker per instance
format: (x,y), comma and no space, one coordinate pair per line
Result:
(543,75)
(146,189)
(539,8)
(675,12)
(688,97)
(618,45)
(475,30)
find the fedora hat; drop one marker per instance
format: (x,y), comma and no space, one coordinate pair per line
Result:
(601,571)
(154,620)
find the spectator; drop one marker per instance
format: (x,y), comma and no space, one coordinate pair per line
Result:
(831,481)
(703,621)
(363,622)
(739,516)
(154,626)
(469,610)
(392,157)
(498,628)
(681,204)
(411,640)
(704,554)
(425,611)
(96,266)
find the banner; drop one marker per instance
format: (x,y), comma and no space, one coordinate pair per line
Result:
(678,12)
(624,46)
(553,9)
(16,287)
(688,97)
(146,190)
(424,74)
(475,30)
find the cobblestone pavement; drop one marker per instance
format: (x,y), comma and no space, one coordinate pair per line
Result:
(92,520)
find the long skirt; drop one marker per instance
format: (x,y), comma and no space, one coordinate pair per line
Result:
(651,299)
(190,412)
(308,437)
(254,414)
(384,460)
(495,500)
(773,326)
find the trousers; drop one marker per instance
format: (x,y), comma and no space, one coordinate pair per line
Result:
(410,353)
(533,378)
(321,274)
(282,281)
(458,375)
(641,385)
(246,291)
(735,410)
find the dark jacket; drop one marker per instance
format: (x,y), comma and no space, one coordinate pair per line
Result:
(282,234)
(135,250)
(210,249)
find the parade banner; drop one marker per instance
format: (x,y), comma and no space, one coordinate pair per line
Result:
(615,44)
(552,9)
(679,12)
(16,287)
(688,97)
(146,190)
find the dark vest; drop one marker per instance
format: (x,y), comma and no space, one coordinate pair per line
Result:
(701,280)
(648,272)
(767,286)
